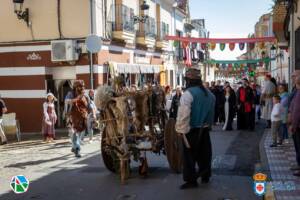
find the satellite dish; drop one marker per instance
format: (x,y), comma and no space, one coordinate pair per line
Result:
(93,43)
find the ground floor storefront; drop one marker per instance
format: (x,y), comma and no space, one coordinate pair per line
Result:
(27,74)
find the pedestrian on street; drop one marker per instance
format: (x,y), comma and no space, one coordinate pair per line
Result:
(245,107)
(269,90)
(284,95)
(80,106)
(49,119)
(294,121)
(3,110)
(229,108)
(168,94)
(276,121)
(216,92)
(91,116)
(194,120)
(175,103)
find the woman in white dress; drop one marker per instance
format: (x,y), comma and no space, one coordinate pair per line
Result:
(229,108)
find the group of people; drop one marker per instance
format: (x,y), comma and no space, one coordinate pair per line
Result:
(201,106)
(285,116)
(80,114)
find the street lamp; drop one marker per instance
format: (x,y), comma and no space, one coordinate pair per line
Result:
(145,15)
(18,8)
(273,51)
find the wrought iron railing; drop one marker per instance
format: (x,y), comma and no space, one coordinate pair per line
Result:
(150,28)
(121,18)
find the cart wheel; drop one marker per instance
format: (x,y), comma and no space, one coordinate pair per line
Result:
(173,146)
(108,159)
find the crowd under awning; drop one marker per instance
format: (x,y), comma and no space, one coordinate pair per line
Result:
(125,68)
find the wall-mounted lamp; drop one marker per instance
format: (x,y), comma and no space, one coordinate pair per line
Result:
(144,17)
(22,15)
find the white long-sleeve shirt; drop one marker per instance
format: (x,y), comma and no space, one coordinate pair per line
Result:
(184,112)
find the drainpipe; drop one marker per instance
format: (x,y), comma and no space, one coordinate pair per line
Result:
(92,31)
(293,48)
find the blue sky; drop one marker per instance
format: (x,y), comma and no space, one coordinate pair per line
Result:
(229,19)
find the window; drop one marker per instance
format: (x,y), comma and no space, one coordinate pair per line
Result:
(164,30)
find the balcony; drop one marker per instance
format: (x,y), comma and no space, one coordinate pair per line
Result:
(122,23)
(163,30)
(279,15)
(147,33)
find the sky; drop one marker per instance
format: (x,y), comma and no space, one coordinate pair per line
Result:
(229,19)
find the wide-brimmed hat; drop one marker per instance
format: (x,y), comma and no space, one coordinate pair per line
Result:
(193,73)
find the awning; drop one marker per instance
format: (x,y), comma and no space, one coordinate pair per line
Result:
(125,68)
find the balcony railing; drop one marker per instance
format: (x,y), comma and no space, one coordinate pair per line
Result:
(150,28)
(122,18)
(163,31)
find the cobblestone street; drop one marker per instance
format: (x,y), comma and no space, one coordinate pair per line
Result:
(55,173)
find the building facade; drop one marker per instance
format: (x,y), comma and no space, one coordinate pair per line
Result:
(48,53)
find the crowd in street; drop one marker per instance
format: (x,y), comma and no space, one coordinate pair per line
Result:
(196,110)
(203,105)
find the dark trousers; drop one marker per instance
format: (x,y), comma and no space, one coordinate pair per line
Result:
(200,153)
(296,139)
(246,120)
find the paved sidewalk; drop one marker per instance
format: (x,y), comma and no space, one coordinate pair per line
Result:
(285,186)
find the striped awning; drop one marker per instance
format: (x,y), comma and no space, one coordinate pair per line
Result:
(125,68)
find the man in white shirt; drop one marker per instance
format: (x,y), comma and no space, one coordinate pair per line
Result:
(276,121)
(194,120)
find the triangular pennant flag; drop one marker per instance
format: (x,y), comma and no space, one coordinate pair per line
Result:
(222,46)
(231,46)
(242,46)
(212,46)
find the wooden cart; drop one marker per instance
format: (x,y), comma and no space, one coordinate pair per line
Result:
(135,123)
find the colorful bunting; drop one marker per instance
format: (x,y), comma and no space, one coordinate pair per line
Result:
(222,46)
(231,46)
(242,46)
(212,46)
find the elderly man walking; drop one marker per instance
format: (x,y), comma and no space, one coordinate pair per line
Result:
(194,120)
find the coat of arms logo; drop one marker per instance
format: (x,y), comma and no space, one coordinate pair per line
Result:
(260,184)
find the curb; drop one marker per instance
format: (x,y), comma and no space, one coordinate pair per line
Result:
(264,168)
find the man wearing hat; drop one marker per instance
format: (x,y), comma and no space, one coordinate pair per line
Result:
(80,106)
(194,120)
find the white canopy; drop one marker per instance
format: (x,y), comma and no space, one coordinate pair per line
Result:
(137,68)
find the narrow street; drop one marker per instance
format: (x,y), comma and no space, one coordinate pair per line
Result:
(55,173)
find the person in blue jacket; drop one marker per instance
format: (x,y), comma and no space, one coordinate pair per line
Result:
(194,120)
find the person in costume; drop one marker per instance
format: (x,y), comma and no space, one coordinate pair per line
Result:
(78,113)
(194,120)
(245,107)
(49,119)
(269,90)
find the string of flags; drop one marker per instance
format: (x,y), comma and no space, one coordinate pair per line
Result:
(222,46)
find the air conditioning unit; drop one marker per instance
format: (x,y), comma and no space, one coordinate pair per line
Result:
(64,50)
